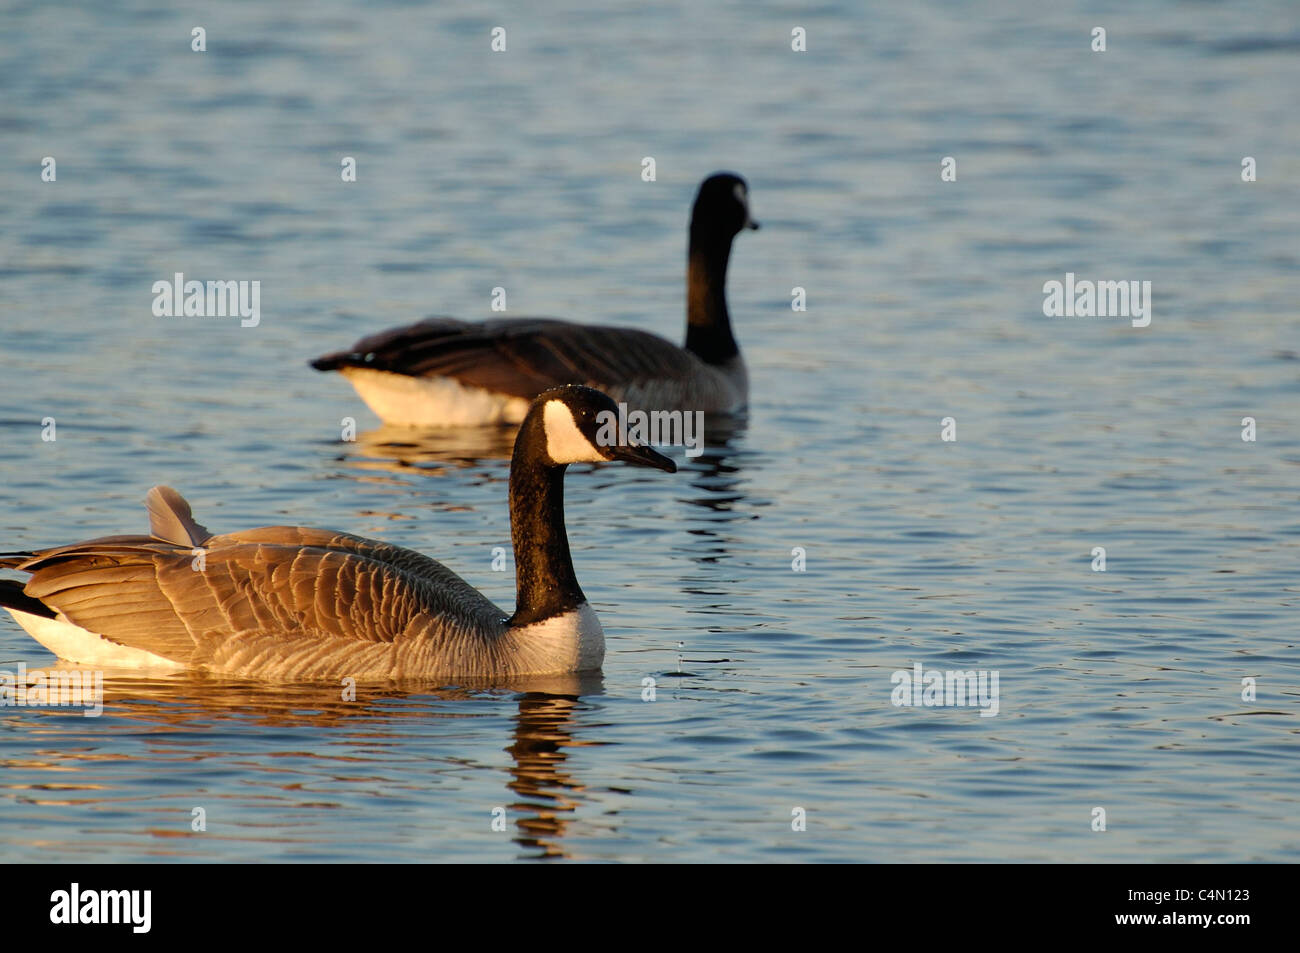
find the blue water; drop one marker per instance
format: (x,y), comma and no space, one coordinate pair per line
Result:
(522,170)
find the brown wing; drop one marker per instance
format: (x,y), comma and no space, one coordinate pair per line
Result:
(523,356)
(288,583)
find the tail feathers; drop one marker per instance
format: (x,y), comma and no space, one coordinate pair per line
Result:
(14,560)
(13,597)
(332,362)
(393,350)
(170,518)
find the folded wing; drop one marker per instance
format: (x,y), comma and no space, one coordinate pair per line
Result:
(280,591)
(523,356)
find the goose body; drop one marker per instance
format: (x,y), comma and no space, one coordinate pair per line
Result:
(445,372)
(291,603)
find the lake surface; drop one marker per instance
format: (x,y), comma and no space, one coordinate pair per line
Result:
(1120,689)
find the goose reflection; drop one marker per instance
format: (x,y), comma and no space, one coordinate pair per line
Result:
(401,449)
(718,477)
(550,795)
(171,711)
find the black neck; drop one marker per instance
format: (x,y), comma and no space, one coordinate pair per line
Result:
(708,325)
(544,581)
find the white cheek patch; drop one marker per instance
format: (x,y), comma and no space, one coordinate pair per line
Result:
(565,443)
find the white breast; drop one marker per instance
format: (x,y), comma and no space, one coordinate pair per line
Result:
(405,401)
(570,642)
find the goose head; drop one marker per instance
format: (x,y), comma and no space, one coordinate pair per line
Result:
(722,206)
(580,425)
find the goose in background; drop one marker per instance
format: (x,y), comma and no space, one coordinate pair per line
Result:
(444,372)
(294,604)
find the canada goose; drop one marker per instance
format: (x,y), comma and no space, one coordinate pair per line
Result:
(444,372)
(289,603)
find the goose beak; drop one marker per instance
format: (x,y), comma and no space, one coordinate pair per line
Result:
(751,224)
(644,457)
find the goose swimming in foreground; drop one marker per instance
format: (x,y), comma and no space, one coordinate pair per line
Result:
(289,603)
(443,372)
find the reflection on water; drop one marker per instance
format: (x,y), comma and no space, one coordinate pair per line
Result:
(550,795)
(718,475)
(401,448)
(183,719)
